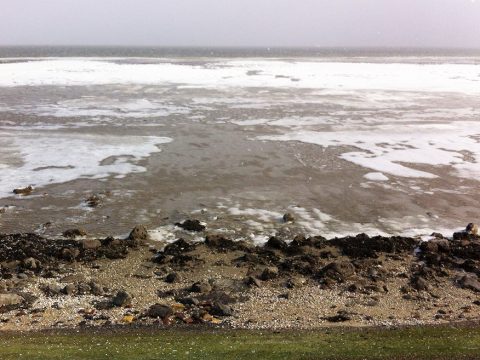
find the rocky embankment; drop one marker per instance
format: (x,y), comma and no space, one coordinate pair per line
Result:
(305,282)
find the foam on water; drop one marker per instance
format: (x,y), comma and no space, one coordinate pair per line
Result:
(40,159)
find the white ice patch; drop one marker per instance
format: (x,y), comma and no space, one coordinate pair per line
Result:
(375,176)
(390,149)
(461,78)
(40,159)
(163,234)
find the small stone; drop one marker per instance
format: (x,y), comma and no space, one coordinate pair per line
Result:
(201,287)
(159,311)
(138,235)
(129,318)
(52,290)
(172,277)
(83,289)
(69,289)
(91,244)
(122,299)
(472,229)
(253,281)
(70,254)
(96,289)
(419,283)
(191,225)
(189,301)
(471,282)
(93,201)
(288,217)
(31,263)
(22,276)
(220,309)
(294,282)
(269,273)
(73,233)
(23,191)
(276,243)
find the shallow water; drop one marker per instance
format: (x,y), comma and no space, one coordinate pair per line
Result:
(362,141)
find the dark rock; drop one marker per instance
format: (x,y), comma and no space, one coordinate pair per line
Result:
(69,289)
(83,289)
(103,305)
(253,281)
(221,243)
(173,277)
(188,301)
(288,217)
(269,273)
(138,235)
(419,283)
(276,243)
(341,316)
(22,276)
(178,247)
(73,233)
(52,290)
(96,289)
(191,225)
(464,235)
(201,287)
(122,299)
(339,271)
(159,311)
(471,282)
(219,309)
(294,282)
(363,246)
(23,191)
(31,263)
(248,258)
(472,229)
(91,244)
(93,201)
(70,253)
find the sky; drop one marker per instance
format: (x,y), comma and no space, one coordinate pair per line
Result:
(323,23)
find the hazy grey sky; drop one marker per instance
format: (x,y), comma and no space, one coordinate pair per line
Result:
(452,23)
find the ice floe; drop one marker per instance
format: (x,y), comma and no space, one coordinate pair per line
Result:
(40,159)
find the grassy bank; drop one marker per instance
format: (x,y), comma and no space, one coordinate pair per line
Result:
(408,343)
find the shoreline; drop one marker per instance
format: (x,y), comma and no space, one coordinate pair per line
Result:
(288,283)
